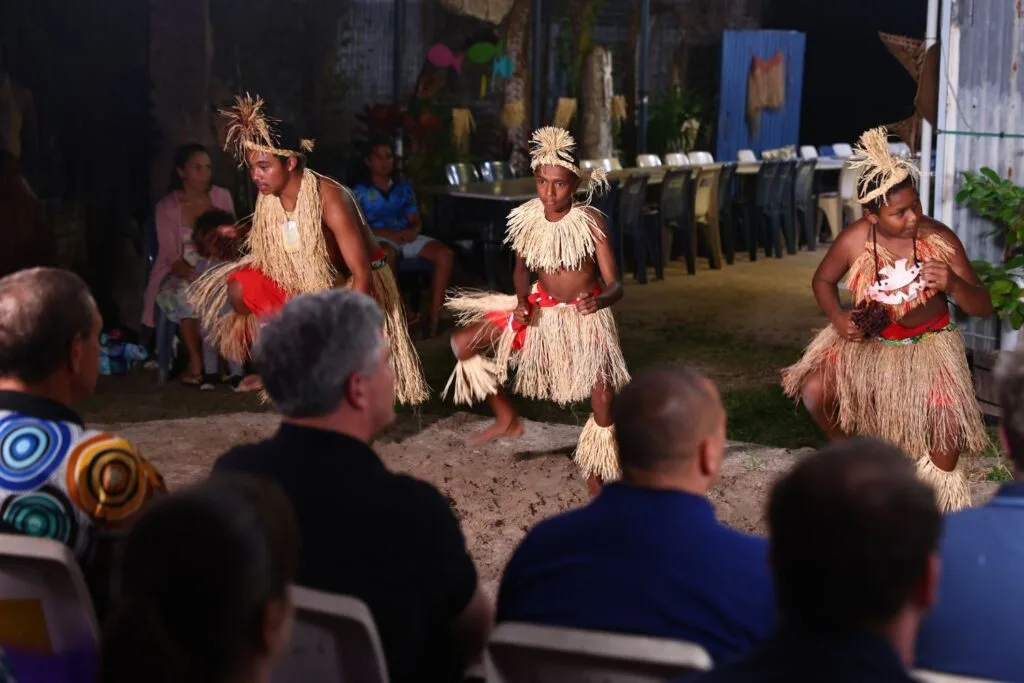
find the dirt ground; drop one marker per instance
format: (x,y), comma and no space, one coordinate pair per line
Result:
(498,491)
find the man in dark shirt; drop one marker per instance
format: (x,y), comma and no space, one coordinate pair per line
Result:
(647,555)
(854,541)
(387,539)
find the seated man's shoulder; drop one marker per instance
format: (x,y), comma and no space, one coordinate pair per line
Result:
(246,457)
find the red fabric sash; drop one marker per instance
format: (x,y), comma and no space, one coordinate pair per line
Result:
(898,332)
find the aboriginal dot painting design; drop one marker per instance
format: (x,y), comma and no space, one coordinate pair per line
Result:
(45,513)
(30,451)
(105,478)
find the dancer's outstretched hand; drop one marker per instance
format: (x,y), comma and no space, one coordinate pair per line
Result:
(587,303)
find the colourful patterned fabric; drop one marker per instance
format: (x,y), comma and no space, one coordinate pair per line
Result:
(61,481)
(387,209)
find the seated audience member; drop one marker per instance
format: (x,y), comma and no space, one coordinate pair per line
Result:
(970,632)
(59,479)
(385,538)
(854,552)
(647,555)
(393,215)
(202,588)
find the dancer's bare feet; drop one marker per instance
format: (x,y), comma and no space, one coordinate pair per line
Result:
(510,427)
(249,383)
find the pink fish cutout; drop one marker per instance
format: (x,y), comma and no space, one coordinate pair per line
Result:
(442,57)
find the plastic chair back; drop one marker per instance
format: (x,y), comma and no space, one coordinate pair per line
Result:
(826,151)
(543,654)
(43,593)
(631,203)
(803,186)
(334,639)
(842,150)
(676,193)
(676,159)
(808,152)
(701,158)
(746,156)
(648,161)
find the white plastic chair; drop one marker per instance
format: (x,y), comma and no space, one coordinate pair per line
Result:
(611,164)
(545,654)
(808,152)
(926,676)
(676,159)
(648,161)
(701,158)
(43,573)
(746,156)
(588,164)
(335,639)
(842,150)
(900,149)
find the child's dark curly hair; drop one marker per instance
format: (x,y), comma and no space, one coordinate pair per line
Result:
(206,224)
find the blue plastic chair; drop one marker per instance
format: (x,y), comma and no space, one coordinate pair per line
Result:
(164,328)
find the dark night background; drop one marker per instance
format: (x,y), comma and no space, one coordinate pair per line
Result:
(851,81)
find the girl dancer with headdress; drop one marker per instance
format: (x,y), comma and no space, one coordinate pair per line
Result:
(558,333)
(895,367)
(307,234)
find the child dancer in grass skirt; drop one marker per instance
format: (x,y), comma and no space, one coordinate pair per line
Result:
(558,334)
(321,241)
(895,366)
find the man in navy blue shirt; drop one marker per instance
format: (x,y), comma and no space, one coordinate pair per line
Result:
(647,555)
(972,630)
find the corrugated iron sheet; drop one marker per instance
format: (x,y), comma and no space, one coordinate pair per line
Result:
(777,128)
(980,88)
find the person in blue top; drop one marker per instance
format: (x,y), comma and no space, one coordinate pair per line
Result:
(971,631)
(390,208)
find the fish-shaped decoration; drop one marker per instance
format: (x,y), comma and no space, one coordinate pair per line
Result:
(503,67)
(442,57)
(481,53)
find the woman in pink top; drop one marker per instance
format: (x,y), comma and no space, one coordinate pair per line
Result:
(192,194)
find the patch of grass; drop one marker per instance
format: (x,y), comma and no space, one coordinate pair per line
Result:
(1000,473)
(766,416)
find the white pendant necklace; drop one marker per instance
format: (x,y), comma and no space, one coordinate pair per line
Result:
(290,234)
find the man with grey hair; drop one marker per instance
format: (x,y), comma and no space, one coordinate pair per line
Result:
(385,538)
(647,555)
(972,630)
(59,479)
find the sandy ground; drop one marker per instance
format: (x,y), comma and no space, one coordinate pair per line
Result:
(498,491)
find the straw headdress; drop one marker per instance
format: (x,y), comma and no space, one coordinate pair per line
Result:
(553,146)
(250,129)
(877,165)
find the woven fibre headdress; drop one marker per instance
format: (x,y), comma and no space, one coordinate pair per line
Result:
(553,146)
(877,165)
(250,129)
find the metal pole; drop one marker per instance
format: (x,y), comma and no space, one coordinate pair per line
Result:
(536,62)
(641,110)
(930,31)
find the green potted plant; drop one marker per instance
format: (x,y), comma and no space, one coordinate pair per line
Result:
(1002,202)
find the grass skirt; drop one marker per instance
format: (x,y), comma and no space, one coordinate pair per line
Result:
(563,357)
(234,334)
(410,384)
(917,396)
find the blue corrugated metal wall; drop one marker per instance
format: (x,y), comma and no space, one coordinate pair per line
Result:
(778,128)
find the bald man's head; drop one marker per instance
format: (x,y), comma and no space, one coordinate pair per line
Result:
(663,416)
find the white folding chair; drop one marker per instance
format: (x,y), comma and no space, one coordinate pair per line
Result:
(926,676)
(842,150)
(900,149)
(746,156)
(701,158)
(676,159)
(648,161)
(42,584)
(808,152)
(335,639)
(545,654)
